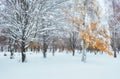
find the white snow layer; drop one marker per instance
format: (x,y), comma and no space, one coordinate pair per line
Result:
(60,66)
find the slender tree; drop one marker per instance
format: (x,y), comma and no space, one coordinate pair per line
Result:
(86,16)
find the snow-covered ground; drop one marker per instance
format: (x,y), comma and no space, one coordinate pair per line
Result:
(60,66)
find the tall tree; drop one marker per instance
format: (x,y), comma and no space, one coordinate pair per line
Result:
(19,19)
(48,20)
(25,19)
(85,14)
(114,18)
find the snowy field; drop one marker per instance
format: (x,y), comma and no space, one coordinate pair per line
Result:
(60,66)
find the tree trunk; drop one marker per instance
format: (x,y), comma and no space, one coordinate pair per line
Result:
(84,53)
(11,54)
(73,52)
(115,50)
(53,51)
(44,53)
(23,56)
(45,50)
(23,52)
(115,54)
(2,49)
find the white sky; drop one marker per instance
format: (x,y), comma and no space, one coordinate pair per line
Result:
(102,4)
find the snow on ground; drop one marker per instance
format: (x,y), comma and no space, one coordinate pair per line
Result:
(60,66)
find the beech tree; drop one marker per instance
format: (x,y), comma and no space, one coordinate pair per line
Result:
(86,15)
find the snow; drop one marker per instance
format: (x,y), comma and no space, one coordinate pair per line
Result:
(60,66)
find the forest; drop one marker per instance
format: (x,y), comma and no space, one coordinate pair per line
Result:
(59,39)
(42,25)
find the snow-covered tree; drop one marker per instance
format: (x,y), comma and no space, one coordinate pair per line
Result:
(48,20)
(114,22)
(19,19)
(86,15)
(26,19)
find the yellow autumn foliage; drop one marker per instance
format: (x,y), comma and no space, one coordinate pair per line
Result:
(89,32)
(93,25)
(95,42)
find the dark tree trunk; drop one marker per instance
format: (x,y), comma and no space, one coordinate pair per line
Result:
(53,52)
(23,51)
(73,42)
(44,54)
(45,45)
(115,50)
(11,54)
(73,47)
(53,48)
(73,52)
(45,50)
(23,57)
(2,49)
(115,54)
